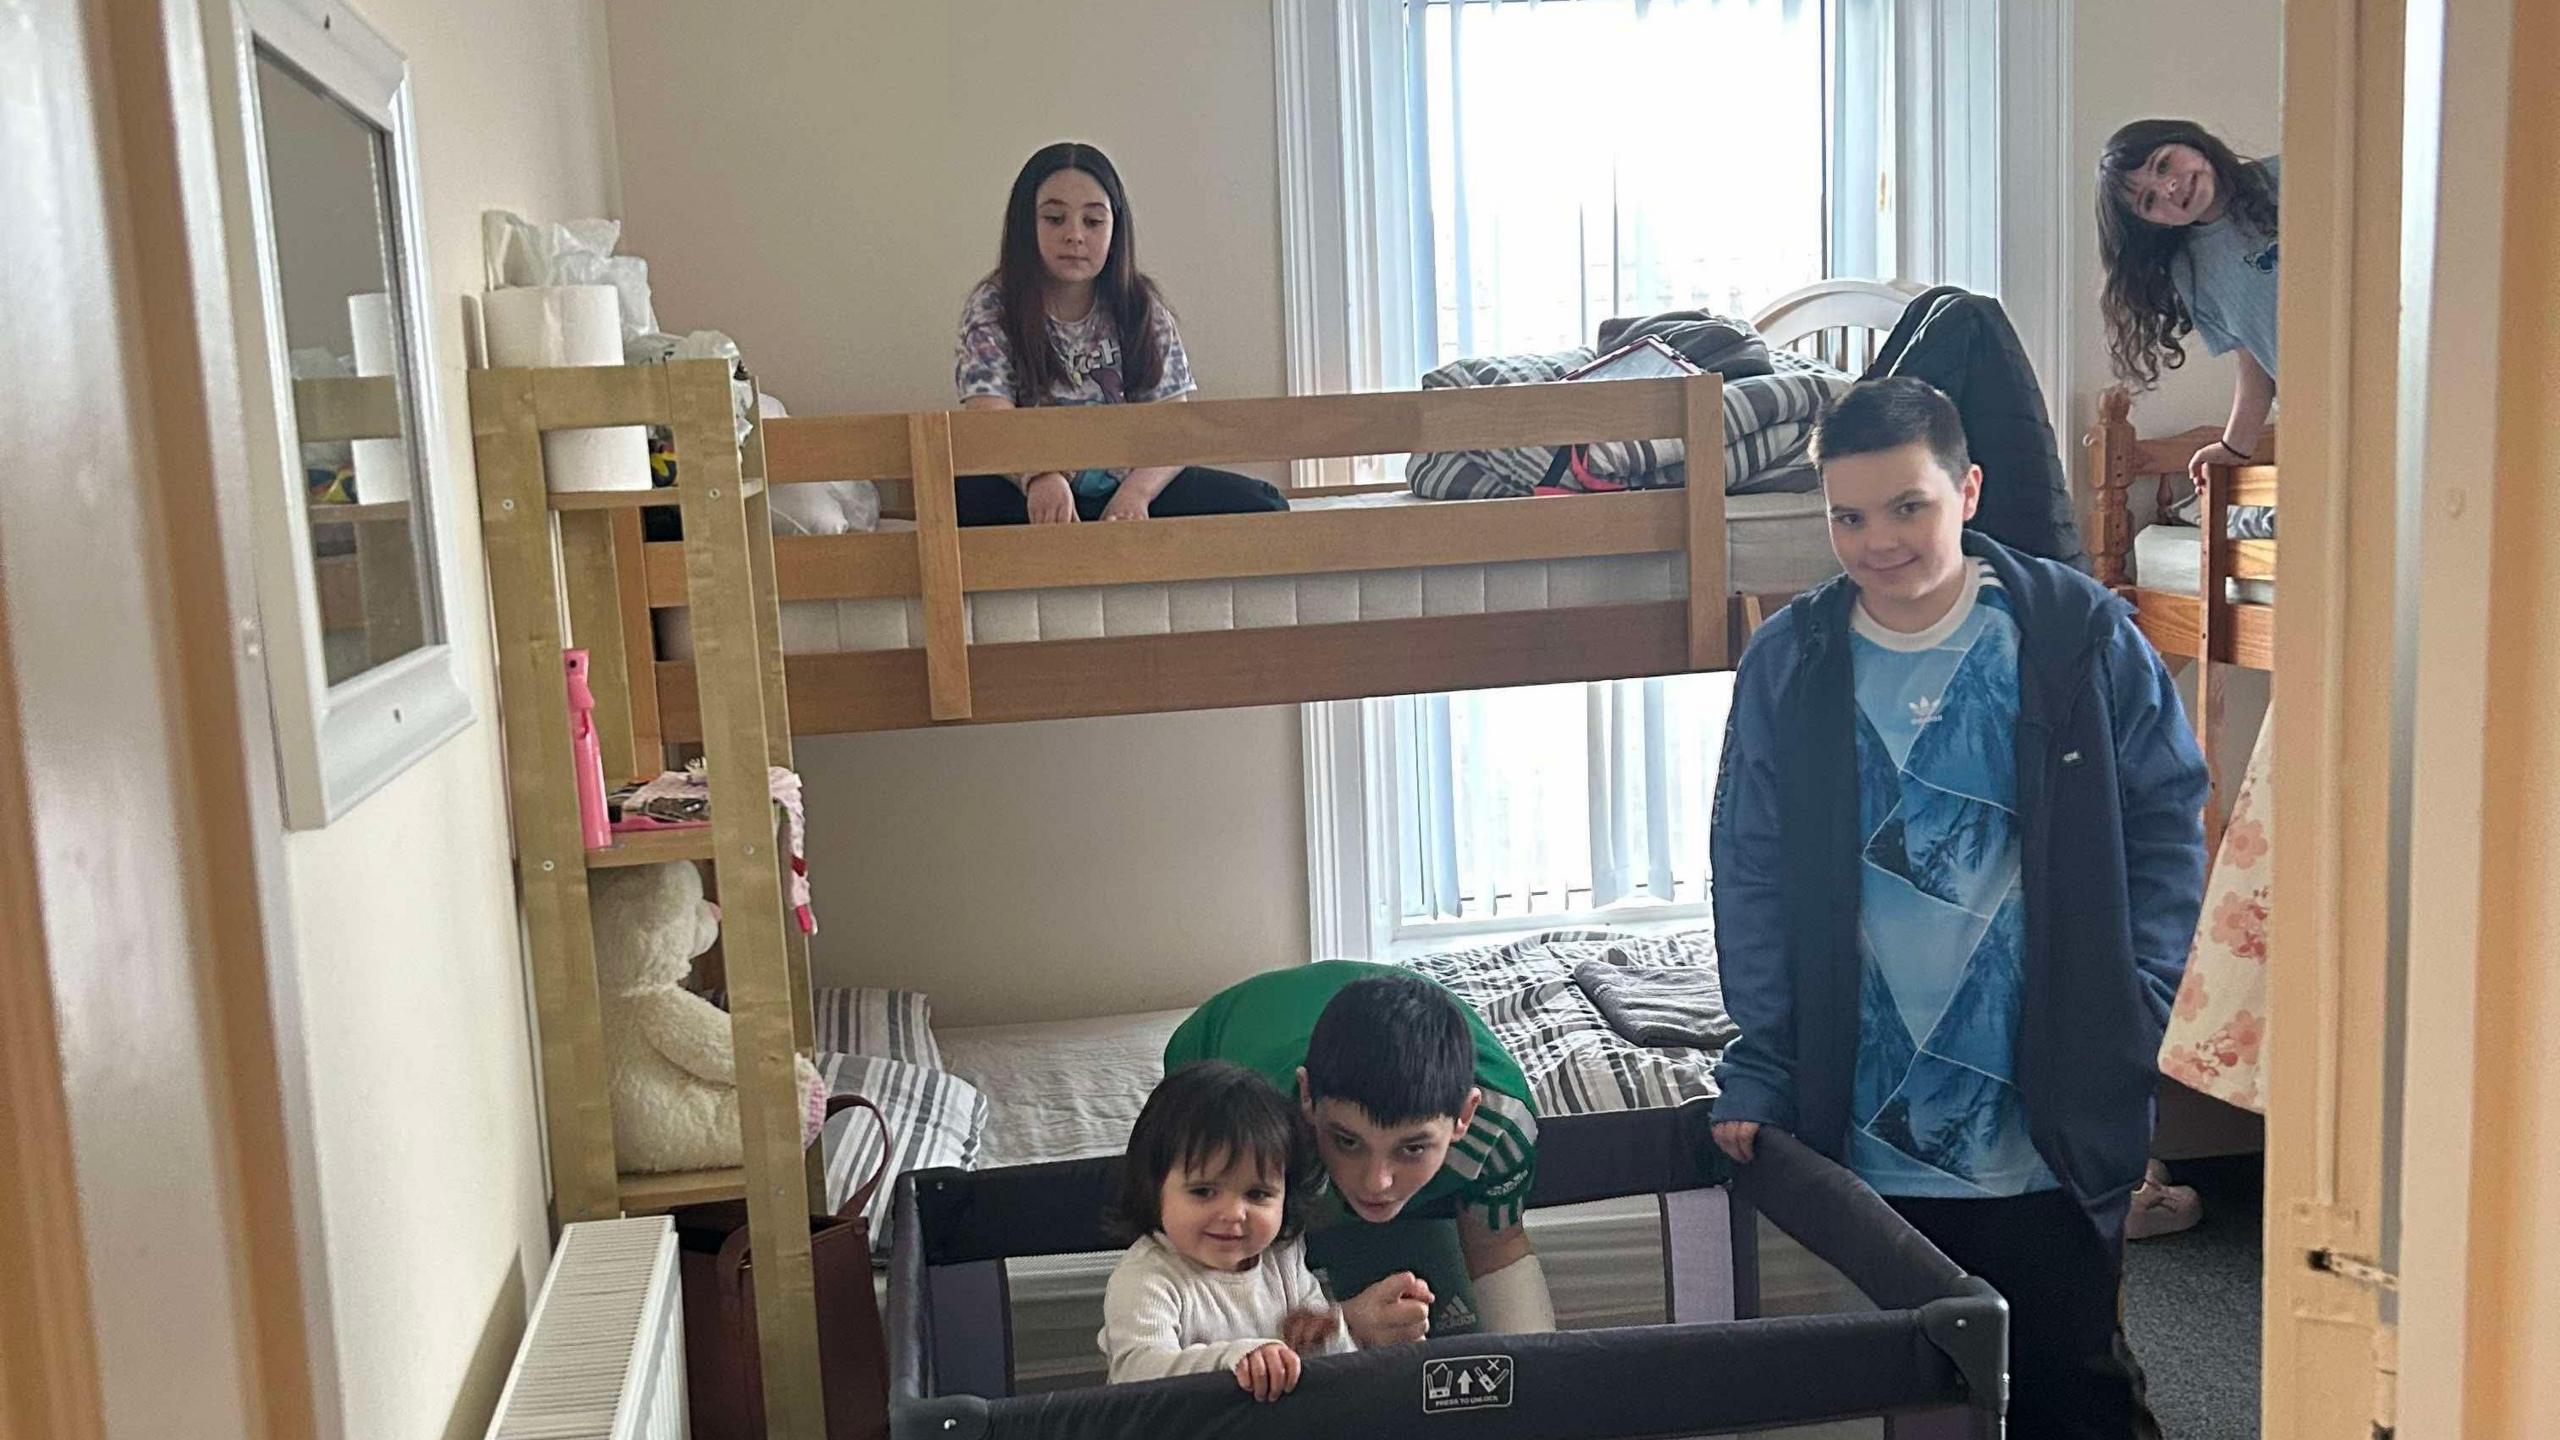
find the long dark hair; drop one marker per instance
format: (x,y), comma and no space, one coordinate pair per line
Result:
(1127,296)
(2146,319)
(1201,1112)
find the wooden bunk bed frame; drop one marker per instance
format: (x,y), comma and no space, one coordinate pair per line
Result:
(950,680)
(572,569)
(2210,626)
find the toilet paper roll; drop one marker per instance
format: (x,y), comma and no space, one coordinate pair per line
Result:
(382,466)
(543,325)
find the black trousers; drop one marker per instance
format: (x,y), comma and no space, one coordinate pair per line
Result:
(1198,490)
(2072,1376)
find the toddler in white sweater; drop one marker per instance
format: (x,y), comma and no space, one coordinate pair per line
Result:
(1220,1171)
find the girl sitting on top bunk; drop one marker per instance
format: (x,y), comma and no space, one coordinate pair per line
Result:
(1221,1170)
(1067,318)
(2187,232)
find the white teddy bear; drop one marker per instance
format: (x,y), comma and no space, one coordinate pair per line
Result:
(673,1080)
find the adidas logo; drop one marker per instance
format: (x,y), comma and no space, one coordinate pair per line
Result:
(1456,1312)
(1926,709)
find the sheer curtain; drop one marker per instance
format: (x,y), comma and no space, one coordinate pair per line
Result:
(1573,160)
(1590,158)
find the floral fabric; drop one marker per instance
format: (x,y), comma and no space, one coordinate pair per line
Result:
(2218,1028)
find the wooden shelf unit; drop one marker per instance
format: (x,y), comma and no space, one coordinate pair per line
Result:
(556,581)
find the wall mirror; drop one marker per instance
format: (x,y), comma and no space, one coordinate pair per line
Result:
(330,279)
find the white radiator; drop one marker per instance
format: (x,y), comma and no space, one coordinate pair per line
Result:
(603,1356)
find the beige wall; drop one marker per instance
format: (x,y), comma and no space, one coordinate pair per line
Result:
(404,911)
(2137,61)
(825,184)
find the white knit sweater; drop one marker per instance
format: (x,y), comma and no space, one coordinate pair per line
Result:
(1165,1315)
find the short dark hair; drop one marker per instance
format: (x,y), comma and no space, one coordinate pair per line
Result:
(1397,1046)
(1200,1112)
(1888,414)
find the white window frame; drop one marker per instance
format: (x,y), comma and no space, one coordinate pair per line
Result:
(1965,196)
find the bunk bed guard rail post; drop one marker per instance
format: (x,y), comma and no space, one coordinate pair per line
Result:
(1702,446)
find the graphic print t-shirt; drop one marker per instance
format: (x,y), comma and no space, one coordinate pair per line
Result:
(1087,371)
(1935,1110)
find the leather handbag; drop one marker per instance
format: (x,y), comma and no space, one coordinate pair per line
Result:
(723,1371)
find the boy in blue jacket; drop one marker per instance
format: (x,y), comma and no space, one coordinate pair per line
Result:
(1958,855)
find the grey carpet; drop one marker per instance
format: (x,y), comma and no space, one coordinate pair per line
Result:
(2191,1307)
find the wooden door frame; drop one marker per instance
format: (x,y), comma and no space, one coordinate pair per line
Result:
(2335,647)
(172,1221)
(2463,134)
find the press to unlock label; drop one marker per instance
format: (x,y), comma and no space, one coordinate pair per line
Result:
(1466,1382)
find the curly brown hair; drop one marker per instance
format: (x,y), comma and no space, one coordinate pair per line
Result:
(2147,320)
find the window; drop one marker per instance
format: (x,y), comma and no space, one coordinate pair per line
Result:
(1589,158)
(1475,177)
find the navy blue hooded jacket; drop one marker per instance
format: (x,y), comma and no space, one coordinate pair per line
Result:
(2111,793)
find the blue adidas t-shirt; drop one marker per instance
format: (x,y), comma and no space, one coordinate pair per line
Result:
(1935,1110)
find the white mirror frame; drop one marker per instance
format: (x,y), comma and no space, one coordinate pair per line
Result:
(334,744)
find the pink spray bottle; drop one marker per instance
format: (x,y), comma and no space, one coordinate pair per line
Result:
(586,755)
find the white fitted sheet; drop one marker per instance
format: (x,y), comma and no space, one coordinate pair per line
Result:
(1774,544)
(2171,557)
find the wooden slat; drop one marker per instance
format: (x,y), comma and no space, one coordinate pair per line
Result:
(2253,636)
(2252,484)
(1702,437)
(648,499)
(946,616)
(2252,559)
(655,1194)
(836,447)
(710,485)
(395,621)
(2169,454)
(1297,542)
(347,408)
(1313,427)
(1055,679)
(597,624)
(1310,542)
(814,567)
(380,512)
(2172,622)
(639,640)
(1366,487)
(652,847)
(590,397)
(550,854)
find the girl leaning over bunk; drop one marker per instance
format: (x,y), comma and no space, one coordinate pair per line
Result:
(2187,236)
(1067,318)
(1220,1172)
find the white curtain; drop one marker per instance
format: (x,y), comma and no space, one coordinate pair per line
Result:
(1579,159)
(1555,798)
(1575,160)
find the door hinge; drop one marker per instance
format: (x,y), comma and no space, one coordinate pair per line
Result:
(2361,1271)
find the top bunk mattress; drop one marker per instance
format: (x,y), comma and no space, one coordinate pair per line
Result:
(1774,544)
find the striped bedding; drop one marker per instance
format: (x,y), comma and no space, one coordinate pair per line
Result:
(1576,1063)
